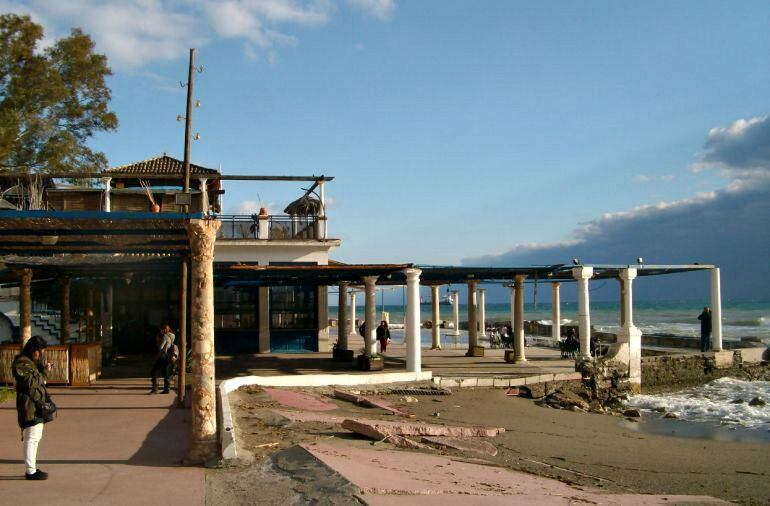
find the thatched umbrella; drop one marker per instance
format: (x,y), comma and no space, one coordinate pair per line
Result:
(305,205)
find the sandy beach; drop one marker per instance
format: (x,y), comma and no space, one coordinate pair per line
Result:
(585,450)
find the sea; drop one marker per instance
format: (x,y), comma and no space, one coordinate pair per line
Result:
(679,318)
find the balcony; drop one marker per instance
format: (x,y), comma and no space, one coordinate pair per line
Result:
(237,227)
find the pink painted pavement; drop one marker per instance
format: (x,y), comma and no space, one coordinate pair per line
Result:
(408,478)
(111,444)
(300,400)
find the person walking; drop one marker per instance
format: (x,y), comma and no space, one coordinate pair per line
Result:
(165,341)
(383,335)
(32,398)
(705,329)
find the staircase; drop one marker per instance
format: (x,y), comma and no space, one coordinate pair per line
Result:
(47,325)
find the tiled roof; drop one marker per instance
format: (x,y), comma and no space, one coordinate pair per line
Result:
(163,164)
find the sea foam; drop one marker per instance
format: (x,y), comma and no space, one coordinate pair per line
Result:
(716,402)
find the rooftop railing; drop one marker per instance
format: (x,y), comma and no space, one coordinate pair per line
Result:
(276,227)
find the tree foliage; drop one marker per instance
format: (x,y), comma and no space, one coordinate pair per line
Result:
(52,100)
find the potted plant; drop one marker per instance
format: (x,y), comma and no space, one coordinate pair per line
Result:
(374,362)
(148,191)
(341,355)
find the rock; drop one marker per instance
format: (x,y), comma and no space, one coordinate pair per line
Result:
(632,413)
(575,408)
(370,403)
(409,399)
(632,420)
(463,445)
(757,401)
(670,415)
(737,401)
(380,429)
(536,391)
(660,409)
(565,399)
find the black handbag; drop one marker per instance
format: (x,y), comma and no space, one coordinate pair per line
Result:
(48,410)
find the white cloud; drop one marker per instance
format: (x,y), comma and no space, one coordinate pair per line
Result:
(727,227)
(643,178)
(136,33)
(380,9)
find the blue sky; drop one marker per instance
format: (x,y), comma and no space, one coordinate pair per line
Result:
(459,132)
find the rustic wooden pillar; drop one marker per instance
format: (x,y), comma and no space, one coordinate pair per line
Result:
(25,305)
(64,335)
(202,234)
(182,376)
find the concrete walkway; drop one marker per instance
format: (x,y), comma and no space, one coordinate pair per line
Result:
(111,444)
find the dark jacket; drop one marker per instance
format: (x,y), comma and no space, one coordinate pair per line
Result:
(705,323)
(30,391)
(383,333)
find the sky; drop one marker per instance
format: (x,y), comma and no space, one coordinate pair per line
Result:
(466,133)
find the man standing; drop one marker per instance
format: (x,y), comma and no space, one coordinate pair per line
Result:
(165,344)
(29,372)
(705,329)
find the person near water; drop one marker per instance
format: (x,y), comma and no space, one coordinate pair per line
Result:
(29,369)
(705,329)
(383,335)
(165,341)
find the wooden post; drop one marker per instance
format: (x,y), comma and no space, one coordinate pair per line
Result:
(182,376)
(90,327)
(25,305)
(202,235)
(64,334)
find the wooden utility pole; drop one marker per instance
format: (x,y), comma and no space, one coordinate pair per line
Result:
(188,122)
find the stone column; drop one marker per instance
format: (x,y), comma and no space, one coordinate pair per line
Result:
(629,333)
(473,331)
(343,328)
(716,310)
(370,310)
(204,189)
(582,275)
(456,311)
(202,234)
(106,200)
(434,329)
(263,225)
(555,312)
(25,305)
(518,331)
(64,333)
(413,357)
(184,291)
(323,319)
(482,312)
(263,301)
(622,285)
(353,329)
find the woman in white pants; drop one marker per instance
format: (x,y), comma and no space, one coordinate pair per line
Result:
(29,371)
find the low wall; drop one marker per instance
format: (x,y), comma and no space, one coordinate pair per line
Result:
(673,372)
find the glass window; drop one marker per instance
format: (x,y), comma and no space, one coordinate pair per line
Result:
(235,308)
(293,307)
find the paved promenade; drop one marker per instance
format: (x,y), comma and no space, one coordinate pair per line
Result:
(111,444)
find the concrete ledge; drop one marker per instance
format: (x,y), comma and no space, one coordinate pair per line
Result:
(502,382)
(226,428)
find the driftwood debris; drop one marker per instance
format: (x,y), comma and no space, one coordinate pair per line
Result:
(370,403)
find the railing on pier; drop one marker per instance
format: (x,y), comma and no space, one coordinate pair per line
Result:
(246,227)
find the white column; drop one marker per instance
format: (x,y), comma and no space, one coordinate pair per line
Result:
(263,230)
(622,299)
(435,331)
(413,358)
(555,312)
(353,329)
(518,332)
(482,312)
(323,319)
(106,202)
(204,189)
(370,310)
(582,275)
(629,333)
(716,310)
(25,305)
(323,226)
(456,311)
(473,334)
(513,308)
(343,325)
